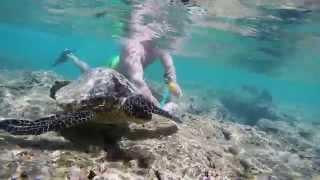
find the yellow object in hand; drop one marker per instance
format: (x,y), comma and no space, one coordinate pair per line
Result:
(173,88)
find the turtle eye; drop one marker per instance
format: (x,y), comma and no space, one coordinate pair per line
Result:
(185,1)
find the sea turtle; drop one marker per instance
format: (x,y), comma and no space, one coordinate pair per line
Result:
(101,95)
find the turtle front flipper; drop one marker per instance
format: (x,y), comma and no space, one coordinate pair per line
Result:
(140,107)
(51,123)
(161,112)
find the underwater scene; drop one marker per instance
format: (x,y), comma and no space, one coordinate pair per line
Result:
(160,89)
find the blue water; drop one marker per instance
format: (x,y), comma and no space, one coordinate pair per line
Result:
(279,53)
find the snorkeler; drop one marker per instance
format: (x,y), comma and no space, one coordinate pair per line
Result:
(140,50)
(136,56)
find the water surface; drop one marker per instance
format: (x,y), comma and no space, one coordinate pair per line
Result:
(222,45)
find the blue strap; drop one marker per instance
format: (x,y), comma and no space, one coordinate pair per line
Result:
(165,97)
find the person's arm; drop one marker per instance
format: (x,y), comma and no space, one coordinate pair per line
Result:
(170,73)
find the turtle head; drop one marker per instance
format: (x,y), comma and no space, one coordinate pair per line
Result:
(137,106)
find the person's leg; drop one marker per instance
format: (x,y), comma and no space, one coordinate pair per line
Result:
(130,66)
(84,67)
(137,79)
(68,55)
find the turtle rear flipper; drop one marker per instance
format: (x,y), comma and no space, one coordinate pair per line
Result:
(57,85)
(51,123)
(138,106)
(63,57)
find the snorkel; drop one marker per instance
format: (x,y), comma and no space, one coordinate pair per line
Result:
(114,62)
(165,97)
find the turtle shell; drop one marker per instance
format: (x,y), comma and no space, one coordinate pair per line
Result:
(94,83)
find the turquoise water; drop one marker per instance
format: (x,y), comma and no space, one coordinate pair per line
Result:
(271,46)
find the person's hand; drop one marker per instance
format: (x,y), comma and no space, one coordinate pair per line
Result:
(175,89)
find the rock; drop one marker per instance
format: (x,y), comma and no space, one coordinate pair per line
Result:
(246,164)
(24,175)
(25,94)
(156,128)
(76,174)
(249,104)
(233,150)
(226,134)
(275,126)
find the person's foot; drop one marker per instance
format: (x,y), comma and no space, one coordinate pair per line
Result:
(63,57)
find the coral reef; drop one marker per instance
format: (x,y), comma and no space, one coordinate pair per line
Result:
(249,104)
(205,146)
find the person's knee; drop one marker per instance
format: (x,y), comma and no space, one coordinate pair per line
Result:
(133,48)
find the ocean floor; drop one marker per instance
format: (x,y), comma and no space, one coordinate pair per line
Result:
(209,144)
